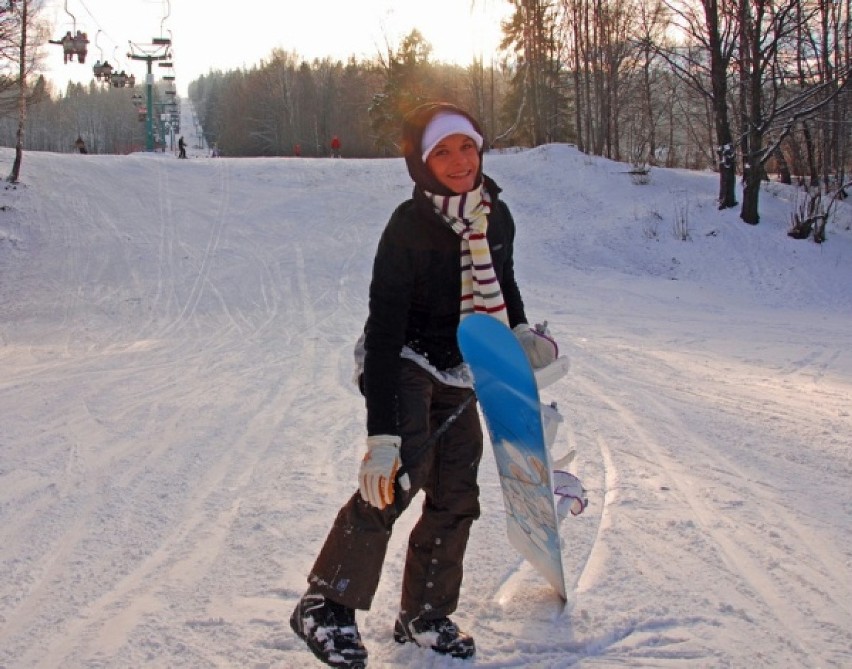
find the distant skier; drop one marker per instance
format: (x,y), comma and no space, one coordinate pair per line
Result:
(181,148)
(80,145)
(335,147)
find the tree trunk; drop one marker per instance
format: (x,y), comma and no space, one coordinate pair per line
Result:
(719,81)
(727,186)
(752,163)
(751,111)
(591,137)
(579,105)
(783,167)
(22,98)
(649,106)
(751,195)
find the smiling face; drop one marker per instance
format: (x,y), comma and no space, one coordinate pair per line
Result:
(455,163)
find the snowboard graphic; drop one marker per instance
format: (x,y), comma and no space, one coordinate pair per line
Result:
(507,392)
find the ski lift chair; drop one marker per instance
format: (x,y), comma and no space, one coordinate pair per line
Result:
(103,71)
(73,43)
(81,46)
(67,44)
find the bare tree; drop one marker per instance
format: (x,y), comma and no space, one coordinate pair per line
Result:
(767,32)
(650,28)
(822,49)
(19,36)
(712,26)
(535,104)
(22,93)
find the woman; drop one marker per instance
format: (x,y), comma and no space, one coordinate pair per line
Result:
(445,253)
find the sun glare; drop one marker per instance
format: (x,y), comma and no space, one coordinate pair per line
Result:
(458,31)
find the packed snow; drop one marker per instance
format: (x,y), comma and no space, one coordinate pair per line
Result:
(179,423)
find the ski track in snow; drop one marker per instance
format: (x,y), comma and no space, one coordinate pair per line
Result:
(180,427)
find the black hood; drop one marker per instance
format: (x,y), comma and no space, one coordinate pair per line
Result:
(413,126)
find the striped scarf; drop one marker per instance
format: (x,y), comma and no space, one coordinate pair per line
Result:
(467,215)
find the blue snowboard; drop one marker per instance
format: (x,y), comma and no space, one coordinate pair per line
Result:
(507,392)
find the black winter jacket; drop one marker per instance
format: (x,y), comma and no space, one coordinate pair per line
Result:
(415,296)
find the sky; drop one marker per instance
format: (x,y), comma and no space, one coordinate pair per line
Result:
(180,424)
(248,30)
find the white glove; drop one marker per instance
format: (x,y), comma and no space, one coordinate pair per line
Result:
(378,469)
(540,347)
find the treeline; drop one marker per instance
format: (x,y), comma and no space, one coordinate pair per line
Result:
(740,86)
(105,118)
(286,102)
(744,87)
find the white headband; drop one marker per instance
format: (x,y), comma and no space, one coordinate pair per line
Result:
(444,124)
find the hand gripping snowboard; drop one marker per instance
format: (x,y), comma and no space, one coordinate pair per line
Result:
(507,392)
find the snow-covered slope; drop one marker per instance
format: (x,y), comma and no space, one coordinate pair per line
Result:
(179,425)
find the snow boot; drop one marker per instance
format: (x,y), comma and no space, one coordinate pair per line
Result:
(441,635)
(330,631)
